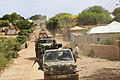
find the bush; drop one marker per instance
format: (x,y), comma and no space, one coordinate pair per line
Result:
(4,23)
(3,61)
(8,50)
(22,39)
(111,40)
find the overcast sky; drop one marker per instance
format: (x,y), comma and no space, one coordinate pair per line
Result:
(27,8)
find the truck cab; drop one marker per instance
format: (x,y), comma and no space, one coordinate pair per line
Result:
(59,64)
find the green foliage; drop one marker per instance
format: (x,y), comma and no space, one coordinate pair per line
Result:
(88,18)
(24,24)
(3,61)
(4,23)
(12,17)
(63,14)
(117,18)
(8,50)
(66,21)
(94,15)
(116,11)
(38,17)
(22,38)
(96,9)
(59,22)
(26,28)
(52,25)
(111,40)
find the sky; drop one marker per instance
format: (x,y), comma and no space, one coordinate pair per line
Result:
(50,8)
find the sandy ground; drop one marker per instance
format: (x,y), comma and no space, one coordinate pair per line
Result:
(90,68)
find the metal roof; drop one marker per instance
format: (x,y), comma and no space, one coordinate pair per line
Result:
(113,27)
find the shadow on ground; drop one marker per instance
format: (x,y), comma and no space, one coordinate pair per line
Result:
(104,74)
(31,58)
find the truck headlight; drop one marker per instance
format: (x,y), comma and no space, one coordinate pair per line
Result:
(71,68)
(51,69)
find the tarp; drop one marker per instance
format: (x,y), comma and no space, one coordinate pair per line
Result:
(113,27)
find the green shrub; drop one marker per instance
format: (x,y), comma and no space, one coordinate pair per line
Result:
(111,40)
(22,38)
(3,61)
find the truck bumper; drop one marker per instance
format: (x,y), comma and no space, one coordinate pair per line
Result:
(69,76)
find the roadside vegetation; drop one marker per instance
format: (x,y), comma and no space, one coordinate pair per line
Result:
(111,40)
(10,46)
(8,50)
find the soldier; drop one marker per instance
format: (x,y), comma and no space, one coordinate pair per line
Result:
(39,56)
(76,51)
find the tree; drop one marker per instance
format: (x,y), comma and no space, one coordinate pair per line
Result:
(12,17)
(66,22)
(96,9)
(116,11)
(24,24)
(38,17)
(4,23)
(88,18)
(94,15)
(63,14)
(117,18)
(52,25)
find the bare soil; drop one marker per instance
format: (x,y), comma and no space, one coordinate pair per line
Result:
(90,68)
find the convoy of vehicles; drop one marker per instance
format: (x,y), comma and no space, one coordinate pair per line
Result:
(56,62)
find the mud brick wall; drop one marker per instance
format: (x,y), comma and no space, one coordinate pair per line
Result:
(110,52)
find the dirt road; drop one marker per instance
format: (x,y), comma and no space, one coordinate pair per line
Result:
(90,68)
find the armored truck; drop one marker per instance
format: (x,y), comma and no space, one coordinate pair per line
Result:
(59,64)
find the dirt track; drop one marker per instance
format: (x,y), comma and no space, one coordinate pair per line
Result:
(90,68)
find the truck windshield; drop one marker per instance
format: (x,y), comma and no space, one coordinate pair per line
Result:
(58,55)
(46,41)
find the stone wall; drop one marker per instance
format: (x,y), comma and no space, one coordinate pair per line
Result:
(111,52)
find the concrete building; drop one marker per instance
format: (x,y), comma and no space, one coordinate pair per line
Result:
(97,35)
(100,33)
(76,31)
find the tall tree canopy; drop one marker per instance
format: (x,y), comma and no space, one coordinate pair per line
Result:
(63,14)
(38,17)
(94,15)
(116,11)
(4,23)
(53,25)
(12,17)
(117,18)
(24,24)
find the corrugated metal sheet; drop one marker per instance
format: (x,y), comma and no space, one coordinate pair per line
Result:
(113,27)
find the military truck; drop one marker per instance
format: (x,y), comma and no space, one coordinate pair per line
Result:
(59,64)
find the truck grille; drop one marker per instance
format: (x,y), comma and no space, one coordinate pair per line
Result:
(62,70)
